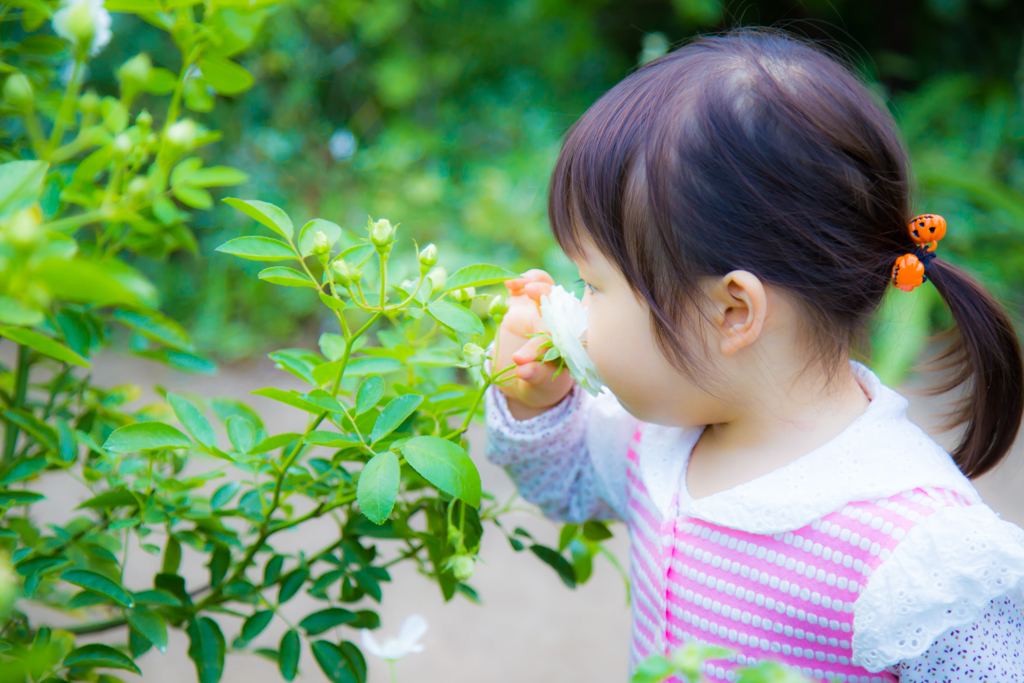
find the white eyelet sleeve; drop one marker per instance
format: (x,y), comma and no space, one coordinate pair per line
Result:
(571,460)
(990,650)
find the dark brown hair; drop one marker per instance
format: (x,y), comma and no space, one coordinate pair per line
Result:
(757,151)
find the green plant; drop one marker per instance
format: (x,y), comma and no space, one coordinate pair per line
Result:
(687,664)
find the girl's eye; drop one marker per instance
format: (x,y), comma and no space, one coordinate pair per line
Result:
(586,285)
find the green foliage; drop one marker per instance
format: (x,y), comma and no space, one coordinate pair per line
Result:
(687,664)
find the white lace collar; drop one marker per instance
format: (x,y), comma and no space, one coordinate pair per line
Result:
(879,454)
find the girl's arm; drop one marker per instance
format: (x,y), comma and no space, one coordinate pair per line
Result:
(569,460)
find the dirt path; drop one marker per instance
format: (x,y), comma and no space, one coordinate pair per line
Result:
(531,627)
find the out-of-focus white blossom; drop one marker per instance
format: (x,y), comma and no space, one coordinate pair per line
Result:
(393,649)
(85,24)
(566,320)
(342,144)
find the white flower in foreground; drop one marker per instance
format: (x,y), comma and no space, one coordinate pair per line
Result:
(85,24)
(407,641)
(566,320)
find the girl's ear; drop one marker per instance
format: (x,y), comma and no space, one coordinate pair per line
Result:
(740,307)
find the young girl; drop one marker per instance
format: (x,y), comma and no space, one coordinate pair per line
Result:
(737,210)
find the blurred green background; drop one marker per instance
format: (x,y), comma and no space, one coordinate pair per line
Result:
(446,116)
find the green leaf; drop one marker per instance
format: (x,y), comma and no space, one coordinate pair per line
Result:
(172,556)
(445,465)
(455,316)
(206,649)
(372,365)
(291,584)
(43,345)
(226,77)
(651,670)
(17,497)
(318,622)
(151,626)
(254,625)
(291,398)
(287,277)
(370,391)
(85,578)
(223,495)
(156,597)
(378,486)
(105,283)
(288,659)
(258,249)
(157,327)
(193,197)
(14,312)
(478,276)
(332,345)
(272,442)
(40,431)
(332,663)
(218,176)
(193,420)
(321,437)
(25,469)
(267,214)
(394,414)
(145,436)
(272,570)
(596,531)
(113,498)
(354,658)
(553,559)
(310,229)
(99,656)
(568,533)
(241,434)
(21,184)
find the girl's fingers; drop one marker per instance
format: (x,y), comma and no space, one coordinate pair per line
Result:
(516,285)
(528,352)
(535,290)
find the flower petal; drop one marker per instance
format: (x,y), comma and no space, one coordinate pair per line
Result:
(413,628)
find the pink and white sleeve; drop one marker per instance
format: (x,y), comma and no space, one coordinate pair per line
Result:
(564,460)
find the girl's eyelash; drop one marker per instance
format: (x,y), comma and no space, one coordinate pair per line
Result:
(586,285)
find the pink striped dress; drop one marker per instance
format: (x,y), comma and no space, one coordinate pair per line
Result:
(865,560)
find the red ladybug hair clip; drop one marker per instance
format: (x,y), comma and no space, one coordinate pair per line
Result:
(910,270)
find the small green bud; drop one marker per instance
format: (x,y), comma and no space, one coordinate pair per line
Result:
(343,273)
(144,121)
(18,92)
(498,306)
(152,140)
(182,133)
(437,277)
(464,294)
(22,229)
(89,102)
(380,233)
(134,74)
(473,354)
(138,187)
(321,245)
(123,144)
(463,567)
(76,23)
(428,257)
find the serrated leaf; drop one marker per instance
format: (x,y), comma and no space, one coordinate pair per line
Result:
(193,197)
(241,434)
(332,663)
(372,365)
(287,277)
(445,465)
(455,316)
(370,392)
(223,495)
(291,584)
(157,327)
(85,578)
(394,414)
(321,621)
(101,656)
(24,469)
(145,436)
(272,442)
(291,398)
(332,345)
(42,344)
(226,77)
(193,420)
(258,248)
(113,498)
(378,486)
(478,276)
(331,230)
(267,214)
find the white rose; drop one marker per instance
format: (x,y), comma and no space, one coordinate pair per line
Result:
(407,642)
(85,24)
(566,321)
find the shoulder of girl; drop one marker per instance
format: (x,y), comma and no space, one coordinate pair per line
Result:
(947,558)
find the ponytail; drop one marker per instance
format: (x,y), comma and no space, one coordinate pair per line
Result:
(985,359)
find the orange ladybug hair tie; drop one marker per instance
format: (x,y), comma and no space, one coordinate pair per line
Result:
(910,270)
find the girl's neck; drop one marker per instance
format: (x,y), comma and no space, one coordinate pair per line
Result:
(777,425)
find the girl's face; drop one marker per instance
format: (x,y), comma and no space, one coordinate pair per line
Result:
(621,342)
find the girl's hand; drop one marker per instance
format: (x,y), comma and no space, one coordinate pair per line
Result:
(534,389)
